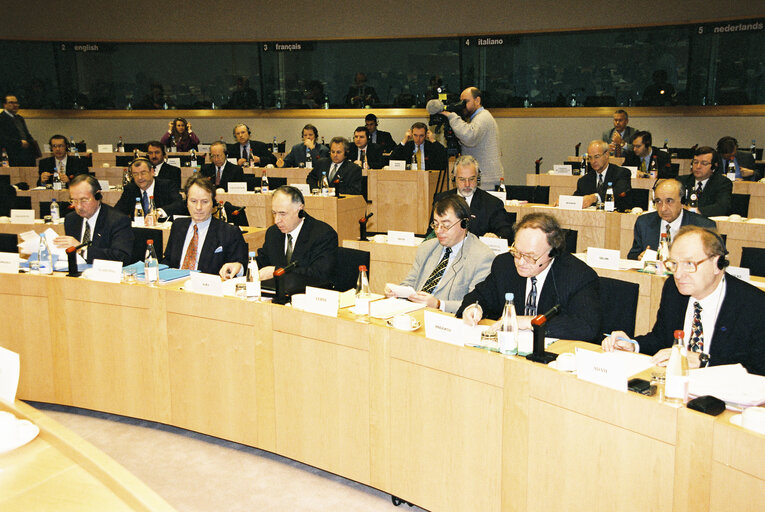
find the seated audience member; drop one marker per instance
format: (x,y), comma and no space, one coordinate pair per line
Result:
(643,153)
(743,161)
(93,221)
(298,155)
(7,195)
(449,266)
(431,155)
(68,166)
(342,174)
(204,243)
(619,138)
(155,152)
(594,184)
(540,274)
(245,149)
(376,136)
(668,218)
(719,313)
(220,171)
(180,135)
(713,190)
(487,213)
(362,150)
(296,237)
(167,197)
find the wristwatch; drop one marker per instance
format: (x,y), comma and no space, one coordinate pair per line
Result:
(703,360)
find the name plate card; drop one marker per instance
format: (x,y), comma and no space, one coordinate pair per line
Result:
(498,245)
(206,284)
(633,170)
(603,258)
(22,216)
(397,165)
(232,160)
(139,222)
(203,148)
(106,271)
(739,272)
(237,187)
(104,184)
(452,330)
(9,263)
(401,238)
(562,169)
(304,188)
(105,148)
(174,161)
(10,365)
(609,369)
(502,196)
(570,202)
(321,301)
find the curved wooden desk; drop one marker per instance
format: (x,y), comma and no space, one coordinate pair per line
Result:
(446,427)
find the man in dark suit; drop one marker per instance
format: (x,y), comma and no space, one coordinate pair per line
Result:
(378,136)
(107,228)
(14,135)
(221,171)
(246,150)
(67,166)
(619,138)
(720,314)
(202,242)
(540,274)
(167,197)
(487,213)
(296,237)
(644,156)
(343,175)
(742,161)
(594,184)
(155,152)
(430,156)
(668,218)
(298,155)
(713,190)
(364,153)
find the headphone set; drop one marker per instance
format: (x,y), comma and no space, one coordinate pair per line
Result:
(722,261)
(95,186)
(233,132)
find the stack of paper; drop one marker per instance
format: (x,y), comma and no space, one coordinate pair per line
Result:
(730,383)
(388,308)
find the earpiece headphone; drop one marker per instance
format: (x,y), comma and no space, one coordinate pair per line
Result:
(233,132)
(95,186)
(301,213)
(462,211)
(558,239)
(722,261)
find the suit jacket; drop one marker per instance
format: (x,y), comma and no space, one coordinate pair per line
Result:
(468,268)
(488,214)
(296,155)
(349,176)
(231,172)
(663,162)
(11,141)
(716,196)
(570,283)
(74,166)
(744,159)
(385,140)
(112,236)
(375,158)
(7,193)
(737,334)
(170,173)
(629,134)
(435,155)
(166,196)
(259,149)
(618,176)
(648,226)
(315,252)
(224,243)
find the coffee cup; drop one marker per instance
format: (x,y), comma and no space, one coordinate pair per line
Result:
(403,322)
(753,418)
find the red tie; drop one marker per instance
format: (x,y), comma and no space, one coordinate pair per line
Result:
(190,261)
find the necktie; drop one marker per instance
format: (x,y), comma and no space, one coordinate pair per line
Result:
(190,261)
(600,180)
(288,254)
(86,236)
(154,170)
(531,300)
(696,343)
(699,190)
(435,276)
(145,202)
(669,235)
(642,166)
(218,174)
(244,152)
(61,167)
(332,173)
(419,158)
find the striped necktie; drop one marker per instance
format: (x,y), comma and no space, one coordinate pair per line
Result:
(696,343)
(531,300)
(437,273)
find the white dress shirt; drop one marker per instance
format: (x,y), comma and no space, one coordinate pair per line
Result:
(202,229)
(710,308)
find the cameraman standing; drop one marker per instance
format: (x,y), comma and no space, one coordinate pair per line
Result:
(478,137)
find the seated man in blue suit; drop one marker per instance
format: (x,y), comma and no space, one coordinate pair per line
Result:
(594,184)
(299,154)
(720,314)
(67,166)
(668,218)
(202,242)
(448,267)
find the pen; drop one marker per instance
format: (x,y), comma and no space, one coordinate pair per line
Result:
(622,338)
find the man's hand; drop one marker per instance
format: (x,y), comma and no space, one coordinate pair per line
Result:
(490,235)
(661,358)
(640,256)
(266,273)
(45,176)
(472,314)
(388,292)
(617,340)
(188,127)
(24,144)
(407,137)
(64,242)
(229,270)
(425,298)
(589,200)
(64,177)
(430,136)
(280,162)
(170,127)
(309,143)
(746,173)
(358,162)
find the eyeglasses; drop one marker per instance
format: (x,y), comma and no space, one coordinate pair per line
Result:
(688,267)
(438,225)
(518,255)
(598,155)
(467,179)
(83,202)
(701,162)
(138,174)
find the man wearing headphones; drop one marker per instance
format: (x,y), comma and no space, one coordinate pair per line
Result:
(343,175)
(298,155)
(720,315)
(430,156)
(743,161)
(385,139)
(712,189)
(669,217)
(594,184)
(92,221)
(299,239)
(448,267)
(68,166)
(540,274)
(167,197)
(220,170)
(155,152)
(243,147)
(643,154)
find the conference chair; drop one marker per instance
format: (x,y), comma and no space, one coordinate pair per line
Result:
(9,242)
(639,198)
(571,238)
(618,303)
(235,214)
(140,235)
(739,204)
(348,261)
(21,203)
(533,194)
(753,258)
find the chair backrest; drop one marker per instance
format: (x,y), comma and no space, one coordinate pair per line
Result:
(739,203)
(520,192)
(348,261)
(9,242)
(618,303)
(240,219)
(22,203)
(139,243)
(63,208)
(639,197)
(571,238)
(753,258)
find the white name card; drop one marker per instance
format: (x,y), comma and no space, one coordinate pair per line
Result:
(104,184)
(739,272)
(321,301)
(10,365)
(570,202)
(232,160)
(237,187)
(304,188)
(22,216)
(206,284)
(397,165)
(498,245)
(9,263)
(139,222)
(203,148)
(105,148)
(174,161)
(443,328)
(610,369)
(633,170)
(562,169)
(401,238)
(106,271)
(603,258)
(502,196)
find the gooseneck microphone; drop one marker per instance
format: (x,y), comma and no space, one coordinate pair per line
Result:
(71,256)
(279,272)
(538,324)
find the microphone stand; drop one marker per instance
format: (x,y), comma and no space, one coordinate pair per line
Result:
(539,355)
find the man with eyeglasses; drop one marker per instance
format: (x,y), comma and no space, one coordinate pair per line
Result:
(91,221)
(155,152)
(720,315)
(668,218)
(14,135)
(594,184)
(67,166)
(449,266)
(167,197)
(540,274)
(488,216)
(713,190)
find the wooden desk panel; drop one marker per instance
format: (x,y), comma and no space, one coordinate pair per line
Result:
(387,263)
(401,200)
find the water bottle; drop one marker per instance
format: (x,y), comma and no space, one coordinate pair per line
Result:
(138,211)
(4,159)
(120,145)
(731,170)
(264,182)
(414,161)
(676,383)
(654,172)
(666,145)
(362,283)
(609,202)
(308,159)
(502,187)
(365,164)
(507,335)
(57,185)
(324,184)
(753,149)
(253,278)
(150,217)
(44,256)
(135,153)
(164,106)
(151,264)
(662,254)
(172,144)
(275,146)
(693,203)
(222,212)
(73,145)
(55,213)
(193,162)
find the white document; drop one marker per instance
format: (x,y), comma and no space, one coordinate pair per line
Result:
(174,161)
(22,216)
(603,258)
(237,187)
(563,170)
(139,222)
(304,188)
(106,271)
(105,148)
(390,307)
(203,148)
(9,262)
(401,238)
(570,202)
(739,272)
(401,291)
(502,196)
(497,245)
(633,170)
(397,165)
(205,284)
(232,160)
(321,301)
(610,369)
(730,383)
(229,286)
(630,264)
(104,184)
(9,375)
(650,255)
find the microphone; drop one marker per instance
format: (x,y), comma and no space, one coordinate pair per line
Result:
(538,324)
(238,210)
(549,315)
(435,106)
(73,249)
(71,255)
(576,148)
(279,272)
(537,164)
